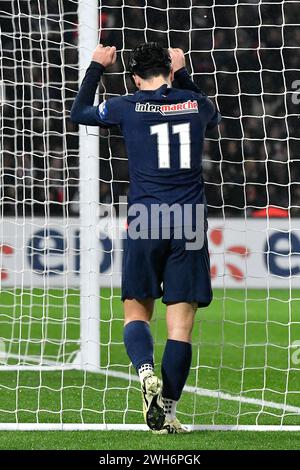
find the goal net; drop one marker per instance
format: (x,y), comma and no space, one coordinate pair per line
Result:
(62,361)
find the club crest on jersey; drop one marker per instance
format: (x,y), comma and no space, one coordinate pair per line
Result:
(102,109)
(168,109)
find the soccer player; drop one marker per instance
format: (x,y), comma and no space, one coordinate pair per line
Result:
(164,129)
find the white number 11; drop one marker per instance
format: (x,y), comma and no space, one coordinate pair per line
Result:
(163,141)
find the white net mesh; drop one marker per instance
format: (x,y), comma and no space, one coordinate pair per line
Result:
(246,349)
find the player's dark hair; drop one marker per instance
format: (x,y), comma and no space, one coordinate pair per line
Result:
(149,59)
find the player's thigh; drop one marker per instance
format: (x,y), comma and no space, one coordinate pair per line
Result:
(187,275)
(180,320)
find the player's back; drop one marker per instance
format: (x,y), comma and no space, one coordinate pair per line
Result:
(164,134)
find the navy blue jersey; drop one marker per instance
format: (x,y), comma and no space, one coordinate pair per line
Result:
(164,132)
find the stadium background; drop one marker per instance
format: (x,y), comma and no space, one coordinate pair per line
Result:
(251,69)
(244,55)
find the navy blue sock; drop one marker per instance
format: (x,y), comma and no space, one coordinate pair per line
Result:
(175,368)
(138,343)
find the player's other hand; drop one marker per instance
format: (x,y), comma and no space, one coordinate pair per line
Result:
(105,56)
(178,59)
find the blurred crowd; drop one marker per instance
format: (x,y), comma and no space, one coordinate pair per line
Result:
(245,55)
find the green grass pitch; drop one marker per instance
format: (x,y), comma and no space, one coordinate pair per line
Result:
(241,347)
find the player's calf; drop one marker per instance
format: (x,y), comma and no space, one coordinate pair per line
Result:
(139,346)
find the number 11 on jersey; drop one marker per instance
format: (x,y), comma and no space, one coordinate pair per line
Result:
(163,144)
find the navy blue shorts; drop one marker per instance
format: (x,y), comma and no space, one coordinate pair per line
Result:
(164,268)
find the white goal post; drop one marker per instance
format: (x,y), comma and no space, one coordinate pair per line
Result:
(62,361)
(88,355)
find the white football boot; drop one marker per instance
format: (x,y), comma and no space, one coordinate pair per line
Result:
(153,407)
(172,426)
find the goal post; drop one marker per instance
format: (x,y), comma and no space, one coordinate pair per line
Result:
(63,365)
(89,355)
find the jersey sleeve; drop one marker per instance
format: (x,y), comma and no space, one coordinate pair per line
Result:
(213,115)
(83,110)
(183,81)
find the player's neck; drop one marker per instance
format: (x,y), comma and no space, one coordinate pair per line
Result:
(154,83)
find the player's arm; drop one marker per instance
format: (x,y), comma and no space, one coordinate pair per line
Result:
(83,110)
(184,81)
(181,76)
